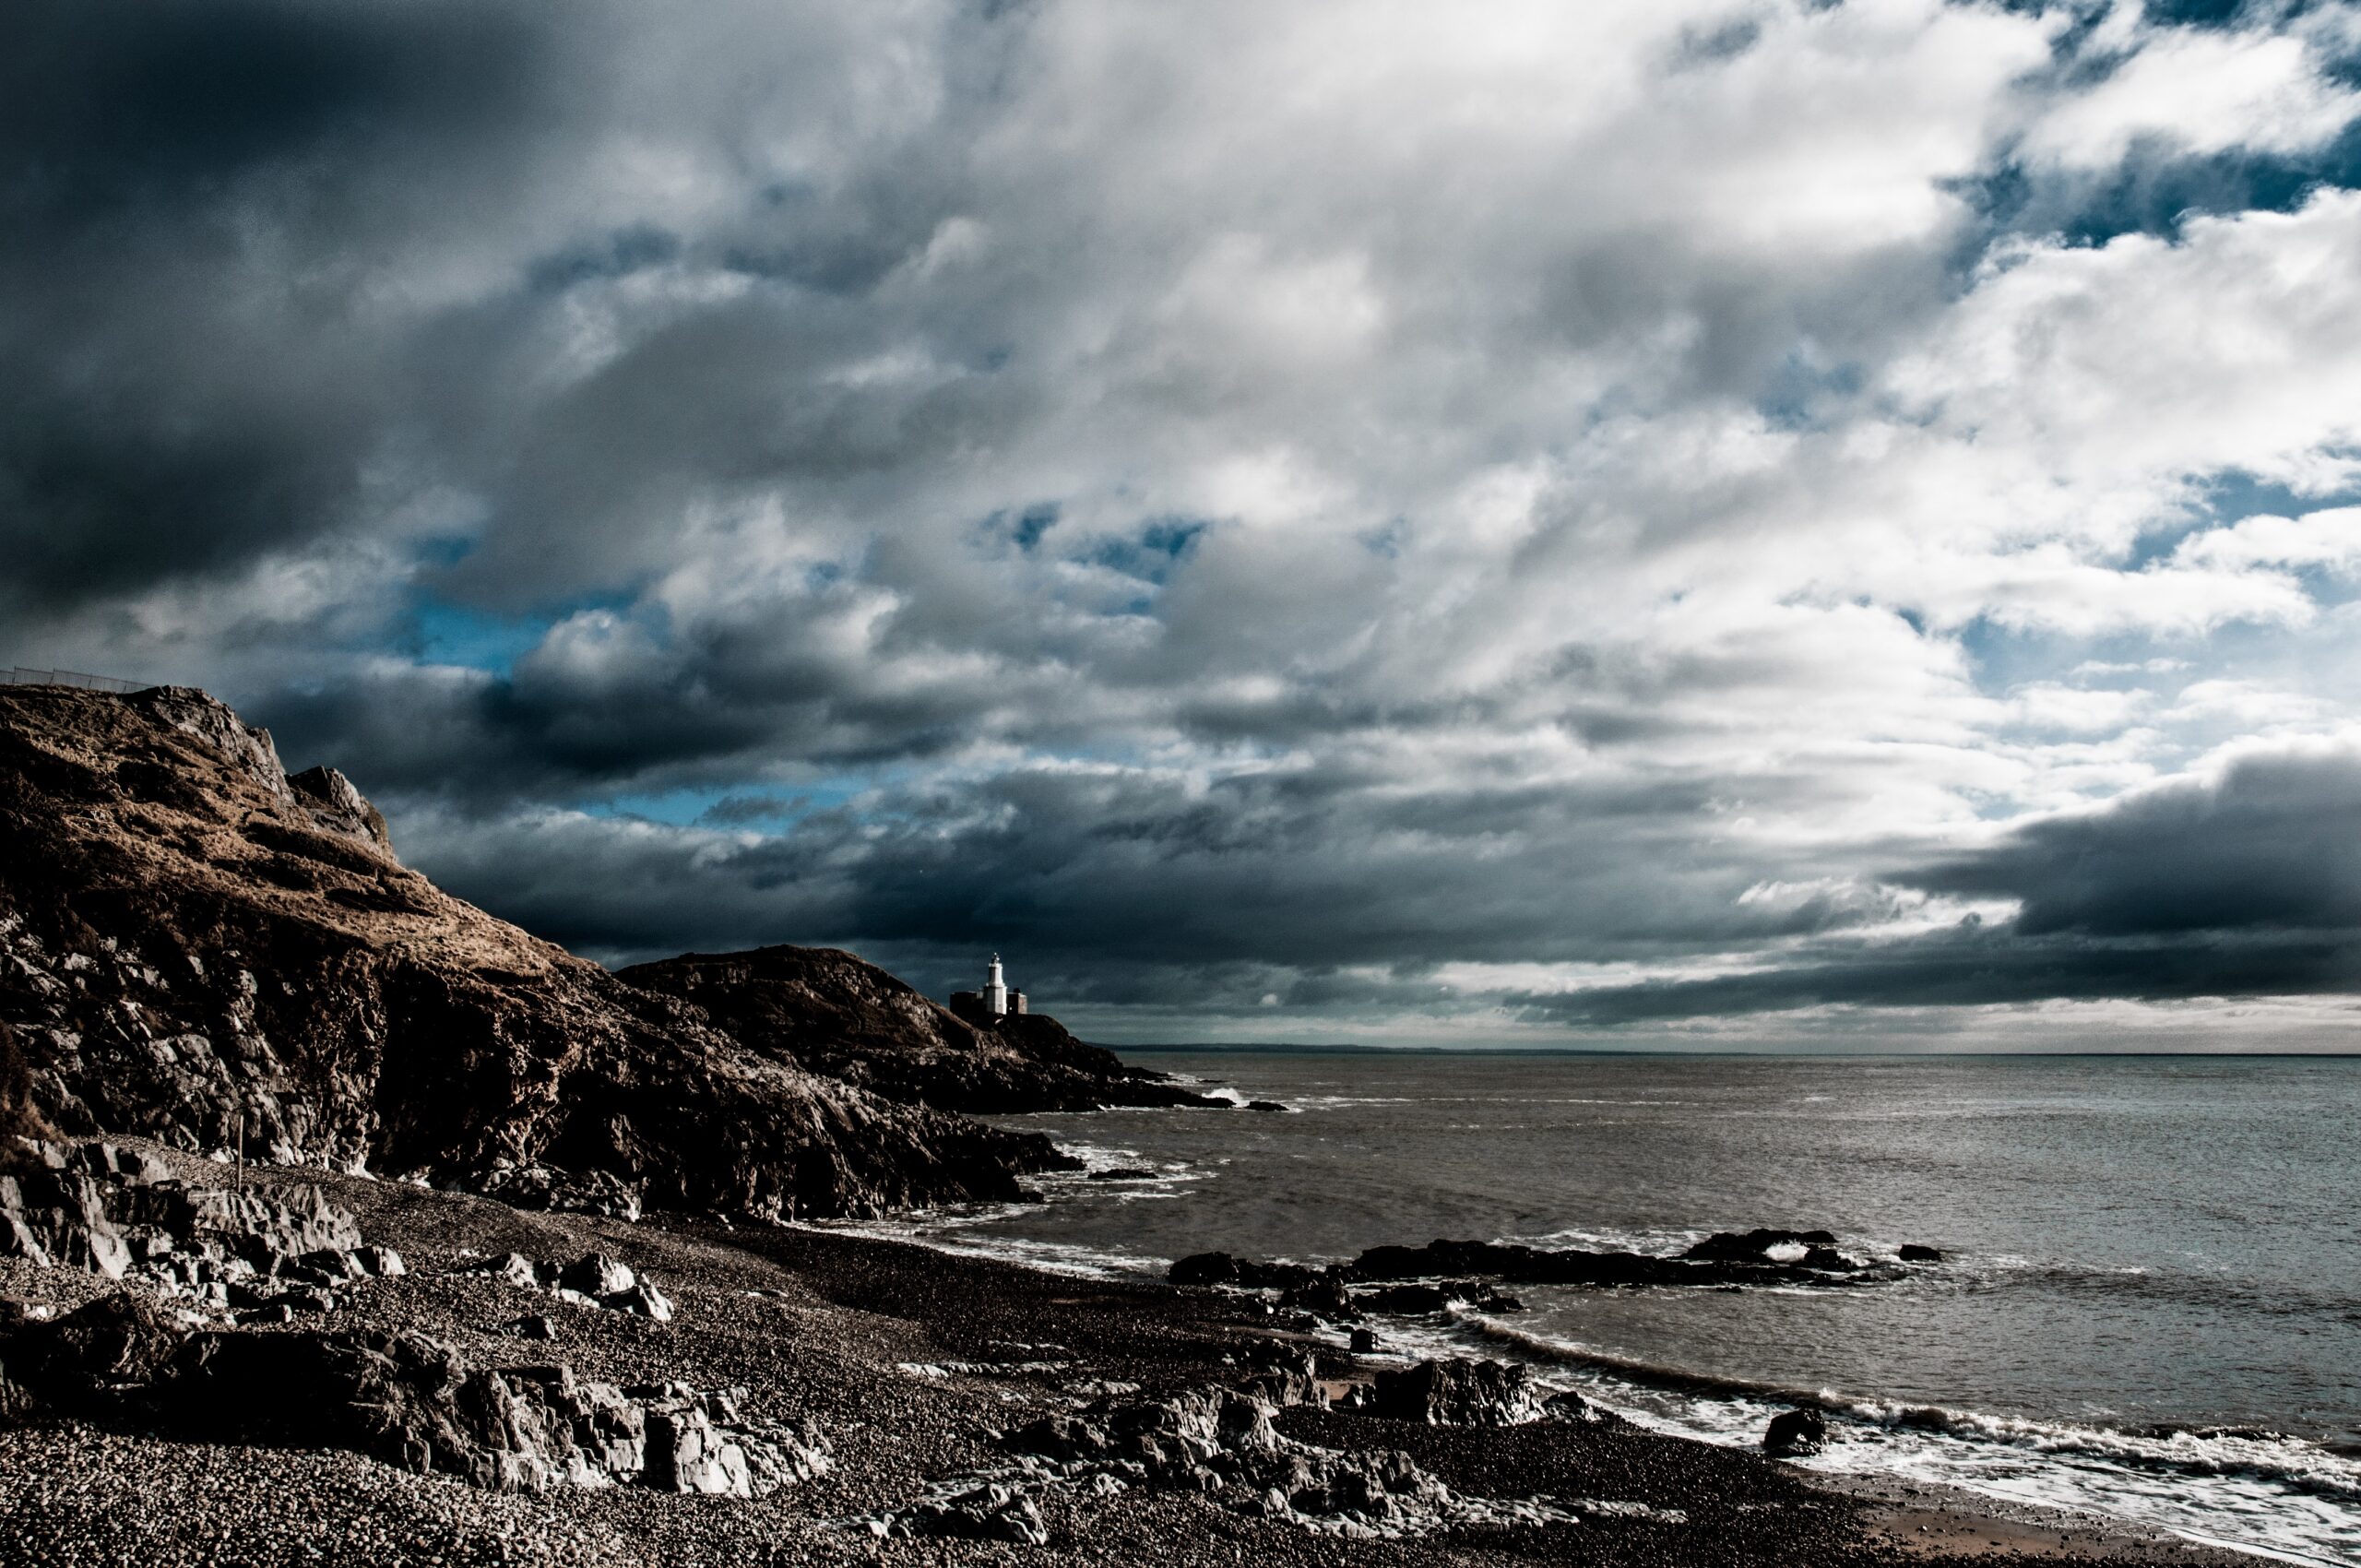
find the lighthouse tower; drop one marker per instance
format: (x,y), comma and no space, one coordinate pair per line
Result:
(995,990)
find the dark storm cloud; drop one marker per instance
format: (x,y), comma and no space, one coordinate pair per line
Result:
(1123,887)
(2274,844)
(2244,885)
(184,379)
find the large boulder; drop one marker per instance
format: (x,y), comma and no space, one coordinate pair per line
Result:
(1793,1434)
(1460,1393)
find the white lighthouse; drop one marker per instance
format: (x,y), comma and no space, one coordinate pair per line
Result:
(995,990)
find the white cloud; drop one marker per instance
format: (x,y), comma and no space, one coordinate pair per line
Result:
(2198,90)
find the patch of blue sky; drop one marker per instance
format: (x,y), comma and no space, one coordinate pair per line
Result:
(1807,390)
(2155,191)
(730,806)
(1152,553)
(441,633)
(1386,542)
(434,630)
(1022,526)
(628,250)
(2224,500)
(2003,657)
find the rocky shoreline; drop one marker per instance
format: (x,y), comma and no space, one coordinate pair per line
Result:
(803,1394)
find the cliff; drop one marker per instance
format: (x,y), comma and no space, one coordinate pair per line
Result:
(191,939)
(828,1012)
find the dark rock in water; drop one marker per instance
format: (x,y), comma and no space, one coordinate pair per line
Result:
(1125,1173)
(1204,1268)
(1795,1433)
(197,947)
(1753,1246)
(1223,1269)
(1914,1252)
(1264,1105)
(1460,1393)
(1326,1295)
(828,1012)
(1576,1266)
(1364,1341)
(1413,1298)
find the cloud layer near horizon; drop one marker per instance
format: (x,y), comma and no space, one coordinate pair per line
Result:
(1669,521)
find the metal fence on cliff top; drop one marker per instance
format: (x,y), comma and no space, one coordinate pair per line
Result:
(21,676)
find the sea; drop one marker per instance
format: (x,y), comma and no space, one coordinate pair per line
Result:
(2150,1306)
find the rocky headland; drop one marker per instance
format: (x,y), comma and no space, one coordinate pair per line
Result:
(828,1012)
(198,948)
(341,1222)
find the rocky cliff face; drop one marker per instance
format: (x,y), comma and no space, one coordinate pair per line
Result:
(197,947)
(828,1012)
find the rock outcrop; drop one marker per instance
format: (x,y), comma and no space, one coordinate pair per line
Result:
(403,1397)
(829,1011)
(197,949)
(1214,1440)
(120,1213)
(1221,1441)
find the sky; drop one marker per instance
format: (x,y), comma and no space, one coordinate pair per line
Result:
(1822,524)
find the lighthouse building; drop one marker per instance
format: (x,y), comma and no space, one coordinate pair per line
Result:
(996,1000)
